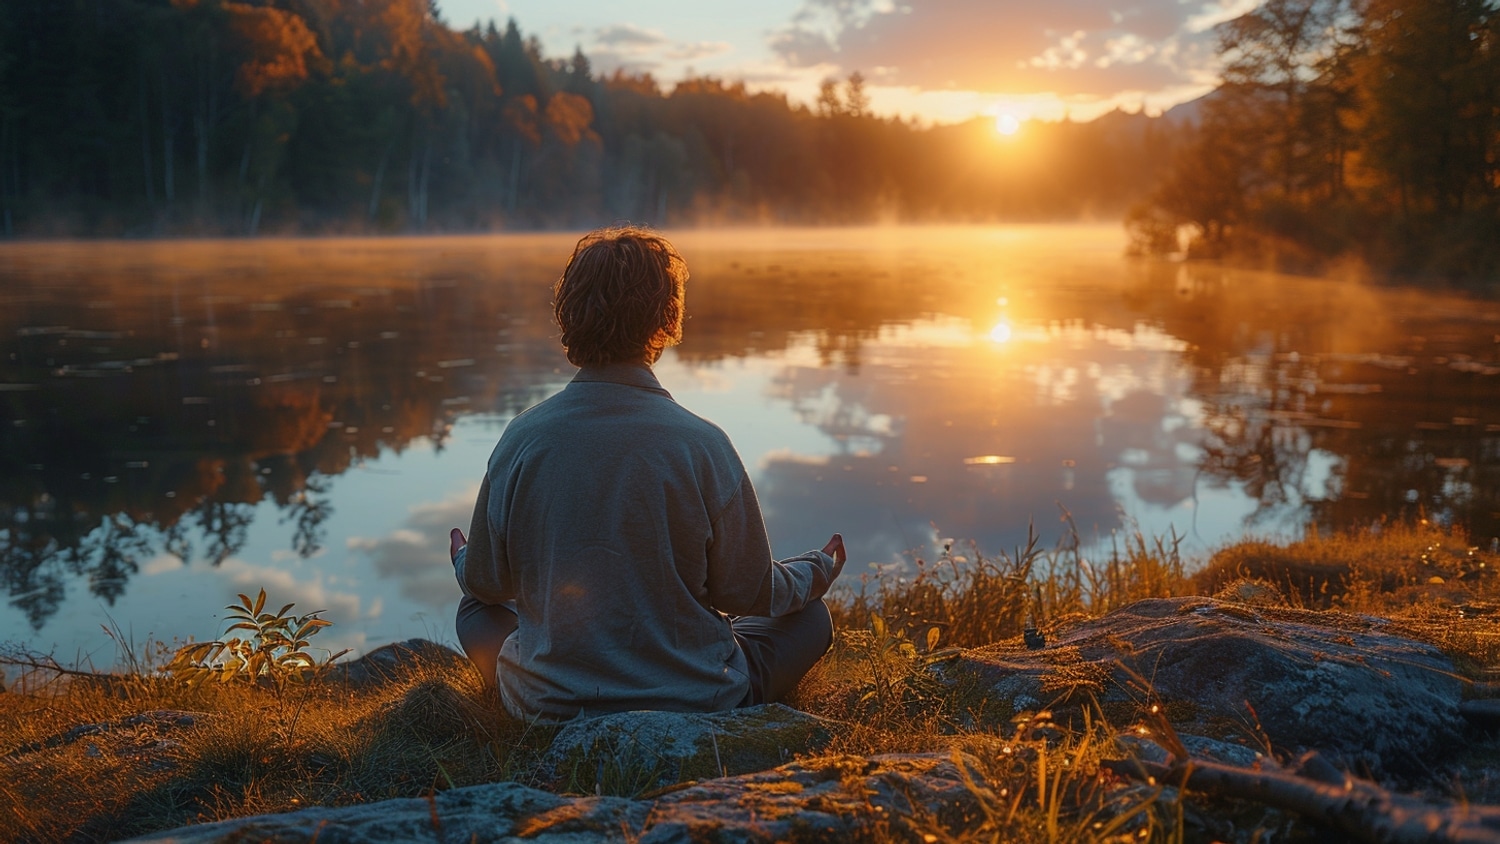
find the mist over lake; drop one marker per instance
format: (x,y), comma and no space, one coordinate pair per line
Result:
(187,420)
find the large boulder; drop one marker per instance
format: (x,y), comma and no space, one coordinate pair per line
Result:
(632,752)
(829,799)
(1249,675)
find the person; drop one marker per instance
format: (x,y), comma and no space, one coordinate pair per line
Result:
(617,558)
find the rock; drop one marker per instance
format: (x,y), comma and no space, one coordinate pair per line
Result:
(829,799)
(632,752)
(153,726)
(388,662)
(1234,673)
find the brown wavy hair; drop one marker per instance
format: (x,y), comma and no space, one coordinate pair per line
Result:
(620,297)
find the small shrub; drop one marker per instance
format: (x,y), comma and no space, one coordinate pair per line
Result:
(276,650)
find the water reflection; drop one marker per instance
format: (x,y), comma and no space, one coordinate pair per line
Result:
(164,402)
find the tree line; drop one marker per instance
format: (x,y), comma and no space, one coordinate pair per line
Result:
(1363,130)
(161,117)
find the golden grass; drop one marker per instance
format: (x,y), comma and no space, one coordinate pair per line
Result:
(249,750)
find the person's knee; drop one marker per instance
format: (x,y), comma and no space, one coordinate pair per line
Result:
(481,630)
(823,616)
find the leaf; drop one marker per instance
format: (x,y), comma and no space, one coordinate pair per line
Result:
(310,626)
(282,611)
(933,634)
(260,601)
(245,603)
(877,625)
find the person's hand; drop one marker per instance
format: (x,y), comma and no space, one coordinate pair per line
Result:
(835,549)
(456,542)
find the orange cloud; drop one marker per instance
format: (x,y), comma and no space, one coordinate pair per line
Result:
(1070,48)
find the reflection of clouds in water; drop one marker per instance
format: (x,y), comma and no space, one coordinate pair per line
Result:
(162,564)
(1081,402)
(415,554)
(282,587)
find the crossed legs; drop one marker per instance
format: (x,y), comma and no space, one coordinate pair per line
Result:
(778,651)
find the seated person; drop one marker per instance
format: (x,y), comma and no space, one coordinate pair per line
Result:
(617,558)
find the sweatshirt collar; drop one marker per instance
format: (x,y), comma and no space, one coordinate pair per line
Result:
(628,374)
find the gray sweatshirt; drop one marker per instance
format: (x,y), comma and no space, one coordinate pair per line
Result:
(625,528)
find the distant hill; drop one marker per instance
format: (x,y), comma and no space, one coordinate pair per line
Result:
(1188,113)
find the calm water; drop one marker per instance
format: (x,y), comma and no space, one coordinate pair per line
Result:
(184,421)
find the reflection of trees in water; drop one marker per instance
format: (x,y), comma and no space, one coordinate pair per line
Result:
(158,434)
(157,417)
(1397,393)
(1268,459)
(308,509)
(44,550)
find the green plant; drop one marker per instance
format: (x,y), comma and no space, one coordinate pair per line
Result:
(276,649)
(898,680)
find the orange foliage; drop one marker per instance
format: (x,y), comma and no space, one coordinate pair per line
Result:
(280,46)
(288,422)
(405,22)
(569,116)
(521,115)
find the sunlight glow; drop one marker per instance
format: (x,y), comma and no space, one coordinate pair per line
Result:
(1001,333)
(1007,124)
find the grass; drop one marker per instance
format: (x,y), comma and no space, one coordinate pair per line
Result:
(165,753)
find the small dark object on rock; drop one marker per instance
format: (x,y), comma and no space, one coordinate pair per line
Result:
(1034,640)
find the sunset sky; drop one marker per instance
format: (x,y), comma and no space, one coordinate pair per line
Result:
(939,60)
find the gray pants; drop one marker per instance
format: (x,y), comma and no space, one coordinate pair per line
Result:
(778,651)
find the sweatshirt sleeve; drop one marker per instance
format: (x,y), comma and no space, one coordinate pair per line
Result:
(479,564)
(742,577)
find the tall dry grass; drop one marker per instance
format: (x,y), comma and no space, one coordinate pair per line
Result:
(99,757)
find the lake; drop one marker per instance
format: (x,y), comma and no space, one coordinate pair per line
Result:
(183,421)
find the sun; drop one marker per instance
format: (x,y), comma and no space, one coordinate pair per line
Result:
(1007,124)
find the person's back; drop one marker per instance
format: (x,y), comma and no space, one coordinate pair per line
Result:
(619,529)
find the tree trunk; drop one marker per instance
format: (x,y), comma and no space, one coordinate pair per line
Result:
(385,157)
(426,173)
(166,142)
(200,130)
(6,187)
(146,144)
(515,177)
(411,184)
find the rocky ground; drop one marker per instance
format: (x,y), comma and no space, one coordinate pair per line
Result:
(1305,723)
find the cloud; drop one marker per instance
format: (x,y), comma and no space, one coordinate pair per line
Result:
(283,587)
(415,553)
(1090,48)
(698,50)
(637,49)
(629,36)
(162,564)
